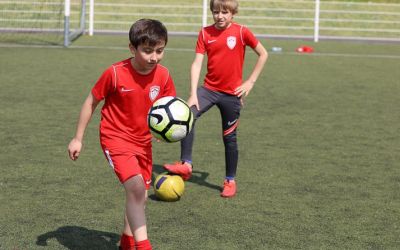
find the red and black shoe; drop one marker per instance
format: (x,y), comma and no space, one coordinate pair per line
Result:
(183,169)
(229,189)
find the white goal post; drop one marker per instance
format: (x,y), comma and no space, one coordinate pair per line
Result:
(69,34)
(41,22)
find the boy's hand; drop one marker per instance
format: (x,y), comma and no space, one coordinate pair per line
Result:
(193,101)
(74,149)
(244,89)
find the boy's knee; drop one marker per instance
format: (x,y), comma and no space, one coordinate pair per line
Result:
(135,188)
(137,196)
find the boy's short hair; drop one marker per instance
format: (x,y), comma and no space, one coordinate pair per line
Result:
(231,5)
(148,31)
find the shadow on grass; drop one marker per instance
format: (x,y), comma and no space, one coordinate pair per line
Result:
(78,238)
(198,177)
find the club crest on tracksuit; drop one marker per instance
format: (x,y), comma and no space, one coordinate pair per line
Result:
(231,42)
(154,90)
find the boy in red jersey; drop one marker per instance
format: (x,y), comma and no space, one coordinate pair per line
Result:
(224,42)
(129,88)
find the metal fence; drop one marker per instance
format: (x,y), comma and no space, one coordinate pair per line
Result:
(305,19)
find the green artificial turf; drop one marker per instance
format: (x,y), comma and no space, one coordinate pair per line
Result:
(319,141)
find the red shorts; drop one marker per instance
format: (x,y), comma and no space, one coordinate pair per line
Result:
(128,162)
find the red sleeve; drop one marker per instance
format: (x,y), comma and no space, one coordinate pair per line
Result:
(104,85)
(200,47)
(169,88)
(249,38)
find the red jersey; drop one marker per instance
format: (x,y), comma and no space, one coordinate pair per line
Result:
(128,97)
(225,51)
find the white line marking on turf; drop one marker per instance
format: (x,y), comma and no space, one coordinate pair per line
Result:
(6,45)
(342,55)
(192,51)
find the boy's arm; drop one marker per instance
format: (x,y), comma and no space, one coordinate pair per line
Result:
(194,80)
(247,85)
(88,107)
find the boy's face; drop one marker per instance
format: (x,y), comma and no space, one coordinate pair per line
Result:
(222,18)
(147,57)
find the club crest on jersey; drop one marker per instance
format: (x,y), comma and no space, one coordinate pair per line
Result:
(231,42)
(154,90)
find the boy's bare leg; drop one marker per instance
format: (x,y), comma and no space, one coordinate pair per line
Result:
(127,228)
(135,220)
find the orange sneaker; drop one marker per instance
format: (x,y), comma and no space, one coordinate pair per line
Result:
(183,169)
(229,189)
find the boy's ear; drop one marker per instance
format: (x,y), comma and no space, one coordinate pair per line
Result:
(132,49)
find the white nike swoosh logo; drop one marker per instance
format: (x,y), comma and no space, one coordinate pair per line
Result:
(148,182)
(126,90)
(211,41)
(232,122)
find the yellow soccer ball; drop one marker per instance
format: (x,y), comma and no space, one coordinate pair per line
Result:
(169,187)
